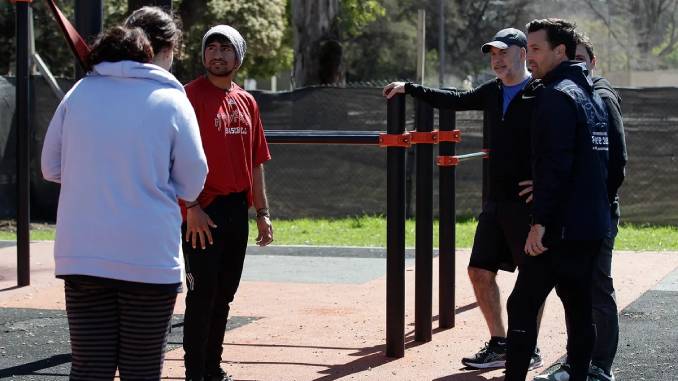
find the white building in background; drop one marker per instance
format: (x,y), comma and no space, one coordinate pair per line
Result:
(278,82)
(655,78)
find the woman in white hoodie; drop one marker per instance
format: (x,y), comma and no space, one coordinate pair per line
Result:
(124,144)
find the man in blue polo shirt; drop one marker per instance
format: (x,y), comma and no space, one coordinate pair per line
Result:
(503,223)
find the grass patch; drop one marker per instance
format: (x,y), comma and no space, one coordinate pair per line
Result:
(371,231)
(647,238)
(356,231)
(39,232)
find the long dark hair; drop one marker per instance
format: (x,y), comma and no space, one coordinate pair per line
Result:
(161,28)
(121,44)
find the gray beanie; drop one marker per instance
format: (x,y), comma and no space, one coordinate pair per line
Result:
(232,35)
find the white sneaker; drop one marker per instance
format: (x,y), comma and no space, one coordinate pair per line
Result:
(557,372)
(535,360)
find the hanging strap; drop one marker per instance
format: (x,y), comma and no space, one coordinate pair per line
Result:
(75,41)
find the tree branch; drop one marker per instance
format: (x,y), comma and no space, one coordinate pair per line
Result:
(605,21)
(668,49)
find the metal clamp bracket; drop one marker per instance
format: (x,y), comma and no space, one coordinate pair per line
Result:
(447,161)
(395,140)
(453,136)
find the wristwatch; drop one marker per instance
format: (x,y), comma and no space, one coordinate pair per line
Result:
(263,212)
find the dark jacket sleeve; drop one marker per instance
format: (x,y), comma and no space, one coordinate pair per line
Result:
(617,147)
(553,145)
(474,99)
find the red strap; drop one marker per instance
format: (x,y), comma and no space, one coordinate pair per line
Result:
(487,153)
(394,140)
(447,161)
(435,137)
(75,41)
(424,137)
(453,136)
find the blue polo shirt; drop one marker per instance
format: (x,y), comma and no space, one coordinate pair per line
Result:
(510,91)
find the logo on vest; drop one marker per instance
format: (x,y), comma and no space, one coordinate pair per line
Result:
(599,140)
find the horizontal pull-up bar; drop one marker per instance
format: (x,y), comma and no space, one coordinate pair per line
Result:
(451,161)
(473,155)
(405,139)
(322,137)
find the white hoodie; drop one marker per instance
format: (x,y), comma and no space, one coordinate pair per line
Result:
(124,143)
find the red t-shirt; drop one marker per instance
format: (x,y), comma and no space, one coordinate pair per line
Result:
(232,137)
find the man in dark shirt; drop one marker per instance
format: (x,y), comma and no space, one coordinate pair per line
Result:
(571,210)
(504,221)
(605,315)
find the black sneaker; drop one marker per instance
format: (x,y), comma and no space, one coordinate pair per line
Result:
(218,375)
(535,360)
(598,374)
(489,356)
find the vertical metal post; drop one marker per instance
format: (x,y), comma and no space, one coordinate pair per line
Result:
(441,42)
(486,163)
(447,227)
(23,178)
(409,176)
(423,299)
(89,21)
(421,46)
(395,234)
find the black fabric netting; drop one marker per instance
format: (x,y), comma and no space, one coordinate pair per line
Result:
(337,181)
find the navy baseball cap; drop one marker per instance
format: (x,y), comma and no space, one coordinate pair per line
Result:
(505,38)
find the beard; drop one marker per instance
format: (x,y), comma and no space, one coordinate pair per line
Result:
(220,70)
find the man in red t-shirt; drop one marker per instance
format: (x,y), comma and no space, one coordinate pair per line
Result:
(215,225)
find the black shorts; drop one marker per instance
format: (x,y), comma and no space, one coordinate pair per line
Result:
(500,236)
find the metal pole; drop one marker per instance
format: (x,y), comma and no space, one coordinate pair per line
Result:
(409,176)
(322,137)
(23,180)
(395,234)
(486,163)
(441,42)
(89,21)
(447,227)
(421,45)
(423,299)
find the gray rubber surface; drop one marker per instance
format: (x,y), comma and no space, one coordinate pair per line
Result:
(648,342)
(318,264)
(7,244)
(34,344)
(307,269)
(326,251)
(648,335)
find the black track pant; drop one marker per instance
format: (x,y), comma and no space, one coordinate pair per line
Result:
(605,315)
(568,265)
(212,279)
(113,328)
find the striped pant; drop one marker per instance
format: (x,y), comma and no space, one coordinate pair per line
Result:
(113,328)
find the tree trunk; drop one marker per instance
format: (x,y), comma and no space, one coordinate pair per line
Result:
(191,11)
(317,51)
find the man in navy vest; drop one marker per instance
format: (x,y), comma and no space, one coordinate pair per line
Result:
(571,210)
(605,316)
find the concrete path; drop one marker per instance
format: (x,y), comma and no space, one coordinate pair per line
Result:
(319,314)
